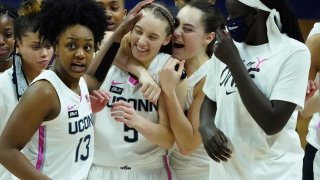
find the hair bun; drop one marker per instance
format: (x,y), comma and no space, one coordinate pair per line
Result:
(29,8)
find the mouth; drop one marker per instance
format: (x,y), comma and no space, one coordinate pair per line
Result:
(178,45)
(3,51)
(78,67)
(44,63)
(111,25)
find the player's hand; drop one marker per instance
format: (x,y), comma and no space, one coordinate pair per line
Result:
(124,112)
(131,18)
(99,99)
(216,144)
(170,74)
(311,88)
(224,48)
(150,89)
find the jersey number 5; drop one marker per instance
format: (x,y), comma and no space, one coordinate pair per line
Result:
(131,139)
(86,142)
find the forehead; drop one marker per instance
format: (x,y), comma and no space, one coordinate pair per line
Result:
(190,15)
(77,32)
(4,19)
(30,37)
(235,6)
(152,23)
(106,2)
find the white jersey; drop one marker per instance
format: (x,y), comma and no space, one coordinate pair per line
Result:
(63,148)
(198,161)
(313,136)
(8,101)
(117,145)
(315,29)
(280,75)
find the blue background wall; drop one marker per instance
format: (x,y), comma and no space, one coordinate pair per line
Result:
(306,9)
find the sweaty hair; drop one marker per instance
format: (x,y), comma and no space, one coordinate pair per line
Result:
(211,19)
(27,20)
(5,9)
(58,15)
(288,17)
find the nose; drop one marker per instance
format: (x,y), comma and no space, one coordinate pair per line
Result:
(44,52)
(142,41)
(109,14)
(80,53)
(2,41)
(177,32)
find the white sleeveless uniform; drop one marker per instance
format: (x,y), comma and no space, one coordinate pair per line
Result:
(122,152)
(313,136)
(63,148)
(8,101)
(196,165)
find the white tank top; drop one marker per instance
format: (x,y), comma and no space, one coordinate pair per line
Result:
(199,158)
(115,143)
(63,148)
(313,136)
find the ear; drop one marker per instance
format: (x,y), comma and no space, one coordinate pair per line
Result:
(210,37)
(167,40)
(17,44)
(55,49)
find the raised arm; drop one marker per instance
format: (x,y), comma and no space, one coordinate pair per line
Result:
(270,115)
(108,51)
(22,124)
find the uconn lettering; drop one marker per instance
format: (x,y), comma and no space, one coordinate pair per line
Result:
(138,104)
(80,125)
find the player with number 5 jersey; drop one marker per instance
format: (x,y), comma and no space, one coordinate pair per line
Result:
(131,133)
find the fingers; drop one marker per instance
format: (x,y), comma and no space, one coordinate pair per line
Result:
(101,95)
(139,6)
(151,92)
(181,66)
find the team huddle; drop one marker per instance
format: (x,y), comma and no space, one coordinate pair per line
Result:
(91,91)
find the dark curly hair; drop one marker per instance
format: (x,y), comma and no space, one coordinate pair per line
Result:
(58,15)
(5,9)
(8,10)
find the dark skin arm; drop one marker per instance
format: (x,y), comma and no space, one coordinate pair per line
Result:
(23,123)
(270,115)
(214,140)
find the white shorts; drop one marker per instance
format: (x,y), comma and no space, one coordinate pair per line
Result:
(192,174)
(316,166)
(160,171)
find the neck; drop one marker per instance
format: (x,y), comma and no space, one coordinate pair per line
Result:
(6,64)
(193,64)
(29,72)
(69,81)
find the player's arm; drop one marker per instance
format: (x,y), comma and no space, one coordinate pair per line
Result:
(38,103)
(312,105)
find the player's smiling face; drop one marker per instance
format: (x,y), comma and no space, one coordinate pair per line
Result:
(75,50)
(147,37)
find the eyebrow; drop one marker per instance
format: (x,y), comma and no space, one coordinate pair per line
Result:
(76,39)
(189,25)
(153,34)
